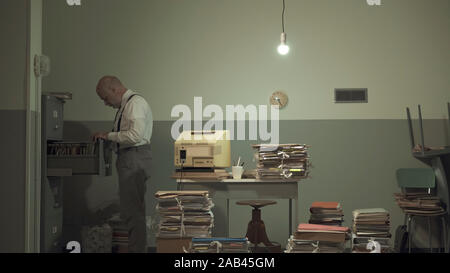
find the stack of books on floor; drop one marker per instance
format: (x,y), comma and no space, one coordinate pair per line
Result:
(184,214)
(326,213)
(360,244)
(96,239)
(281,161)
(219,245)
(419,203)
(311,238)
(301,246)
(119,234)
(370,224)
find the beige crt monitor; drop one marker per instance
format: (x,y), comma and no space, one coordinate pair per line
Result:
(203,149)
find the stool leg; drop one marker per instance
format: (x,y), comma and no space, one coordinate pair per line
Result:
(409,229)
(252,233)
(429,234)
(256,230)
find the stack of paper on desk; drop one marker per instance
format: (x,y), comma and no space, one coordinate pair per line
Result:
(184,214)
(219,245)
(281,161)
(420,203)
(326,213)
(372,223)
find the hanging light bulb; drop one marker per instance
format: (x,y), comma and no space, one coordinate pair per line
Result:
(283,48)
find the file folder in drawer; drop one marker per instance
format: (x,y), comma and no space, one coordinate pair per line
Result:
(79,158)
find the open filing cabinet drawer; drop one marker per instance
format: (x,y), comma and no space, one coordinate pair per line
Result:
(78,158)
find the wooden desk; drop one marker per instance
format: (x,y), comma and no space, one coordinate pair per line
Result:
(222,191)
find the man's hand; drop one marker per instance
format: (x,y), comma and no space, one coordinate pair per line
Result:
(100,135)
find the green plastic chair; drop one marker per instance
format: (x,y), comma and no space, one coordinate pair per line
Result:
(414,178)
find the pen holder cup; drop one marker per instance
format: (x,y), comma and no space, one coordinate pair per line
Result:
(237,171)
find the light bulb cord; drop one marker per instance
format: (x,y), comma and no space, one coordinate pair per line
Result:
(282,17)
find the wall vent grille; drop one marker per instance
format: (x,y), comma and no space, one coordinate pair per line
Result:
(350,95)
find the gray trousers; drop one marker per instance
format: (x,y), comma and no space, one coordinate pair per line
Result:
(133,167)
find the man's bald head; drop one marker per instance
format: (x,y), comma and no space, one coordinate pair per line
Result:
(109,82)
(111,90)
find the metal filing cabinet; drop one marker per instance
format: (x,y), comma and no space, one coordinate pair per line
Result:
(61,159)
(53,119)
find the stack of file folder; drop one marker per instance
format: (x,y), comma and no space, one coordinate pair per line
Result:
(184,214)
(308,246)
(360,244)
(311,238)
(119,234)
(326,213)
(370,224)
(419,203)
(219,245)
(281,161)
(301,246)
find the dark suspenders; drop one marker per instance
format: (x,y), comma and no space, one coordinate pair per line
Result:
(120,117)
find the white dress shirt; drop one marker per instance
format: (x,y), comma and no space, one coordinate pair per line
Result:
(136,124)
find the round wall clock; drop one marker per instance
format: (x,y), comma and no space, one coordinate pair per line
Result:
(279,98)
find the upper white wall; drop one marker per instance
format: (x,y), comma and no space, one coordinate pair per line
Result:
(225,51)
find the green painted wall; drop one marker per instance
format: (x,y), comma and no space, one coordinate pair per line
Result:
(225,51)
(13,67)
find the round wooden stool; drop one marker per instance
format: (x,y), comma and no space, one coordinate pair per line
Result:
(256,230)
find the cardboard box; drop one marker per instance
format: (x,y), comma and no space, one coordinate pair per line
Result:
(172,245)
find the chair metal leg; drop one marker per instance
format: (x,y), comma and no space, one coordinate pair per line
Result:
(442,237)
(444,234)
(429,234)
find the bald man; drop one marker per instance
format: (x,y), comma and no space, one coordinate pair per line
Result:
(131,133)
